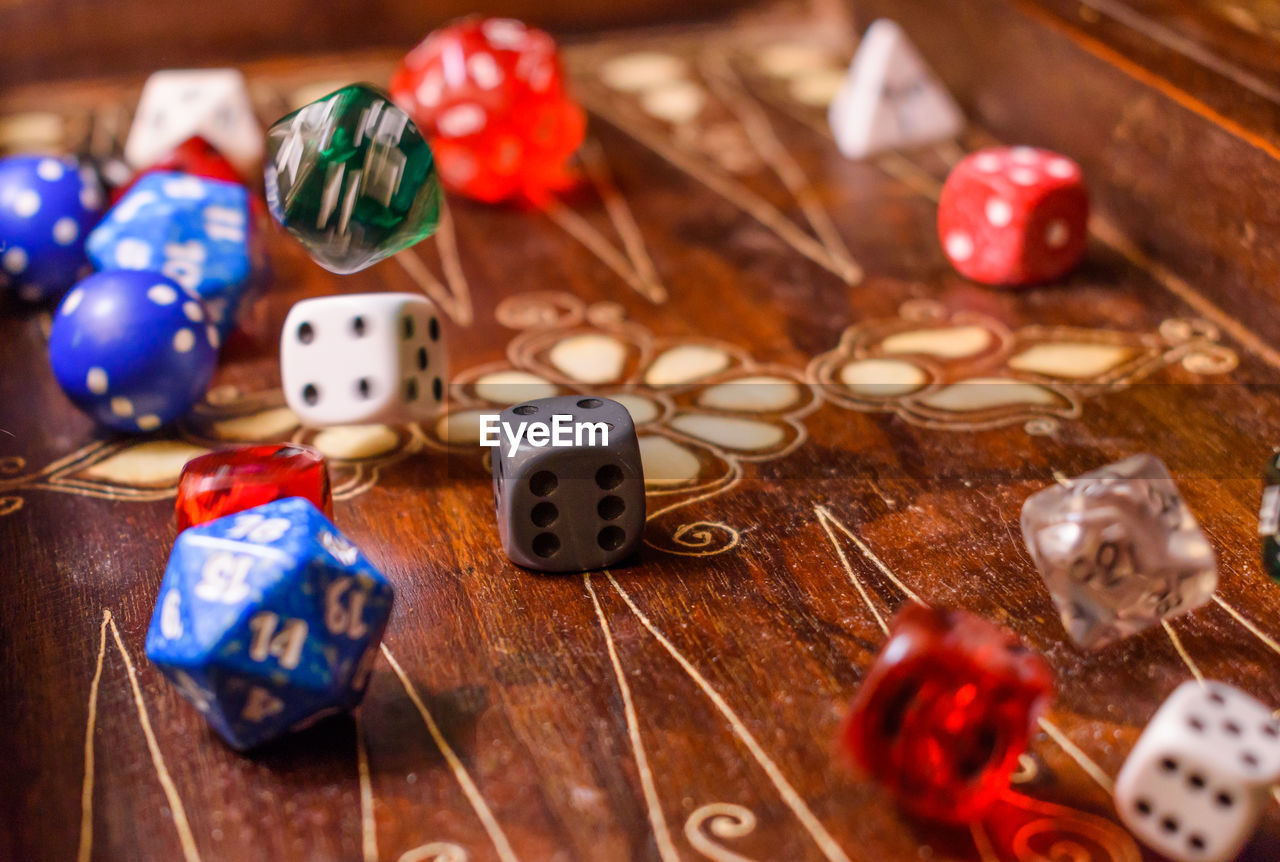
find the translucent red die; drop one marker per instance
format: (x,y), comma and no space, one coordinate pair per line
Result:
(1014,216)
(944,712)
(490,95)
(194,156)
(232,480)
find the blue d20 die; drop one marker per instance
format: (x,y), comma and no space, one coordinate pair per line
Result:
(268,619)
(193,229)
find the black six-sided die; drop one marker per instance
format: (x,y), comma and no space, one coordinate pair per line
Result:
(570,508)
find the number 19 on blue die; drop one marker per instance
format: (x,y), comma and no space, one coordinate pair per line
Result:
(268,620)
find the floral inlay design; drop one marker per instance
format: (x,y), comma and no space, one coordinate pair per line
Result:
(701,407)
(968,371)
(147,469)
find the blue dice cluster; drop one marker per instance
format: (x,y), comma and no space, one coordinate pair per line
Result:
(191,229)
(48,206)
(134,345)
(267,620)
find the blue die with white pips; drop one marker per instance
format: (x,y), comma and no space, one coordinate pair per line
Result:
(133,349)
(47,207)
(267,620)
(195,230)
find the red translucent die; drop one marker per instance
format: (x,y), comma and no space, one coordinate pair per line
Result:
(1014,216)
(490,95)
(944,712)
(232,480)
(193,156)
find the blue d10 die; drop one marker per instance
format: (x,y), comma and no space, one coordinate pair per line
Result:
(47,207)
(193,229)
(267,620)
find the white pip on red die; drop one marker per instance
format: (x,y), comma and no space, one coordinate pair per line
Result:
(177,104)
(363,358)
(1194,785)
(1014,216)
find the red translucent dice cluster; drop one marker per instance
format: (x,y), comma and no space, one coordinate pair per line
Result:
(490,95)
(944,712)
(1014,216)
(232,480)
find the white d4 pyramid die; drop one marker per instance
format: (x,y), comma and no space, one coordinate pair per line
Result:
(890,99)
(363,358)
(1194,785)
(177,104)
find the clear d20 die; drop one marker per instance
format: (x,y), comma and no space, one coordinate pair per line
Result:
(352,179)
(267,620)
(1119,550)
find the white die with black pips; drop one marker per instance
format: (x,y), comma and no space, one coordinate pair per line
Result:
(177,104)
(363,358)
(1194,786)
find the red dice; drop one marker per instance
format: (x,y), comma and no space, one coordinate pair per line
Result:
(490,94)
(193,156)
(232,480)
(945,711)
(1014,216)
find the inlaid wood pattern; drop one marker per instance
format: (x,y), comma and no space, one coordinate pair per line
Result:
(832,423)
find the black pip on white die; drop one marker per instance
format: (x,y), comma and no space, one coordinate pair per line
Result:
(574,507)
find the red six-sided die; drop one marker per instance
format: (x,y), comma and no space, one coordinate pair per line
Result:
(232,480)
(1014,216)
(944,712)
(490,94)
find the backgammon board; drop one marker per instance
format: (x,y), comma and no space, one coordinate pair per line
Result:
(832,423)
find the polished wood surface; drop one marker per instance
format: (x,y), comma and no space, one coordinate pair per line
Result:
(1194,159)
(684,707)
(46,39)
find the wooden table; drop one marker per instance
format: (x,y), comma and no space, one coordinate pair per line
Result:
(685,706)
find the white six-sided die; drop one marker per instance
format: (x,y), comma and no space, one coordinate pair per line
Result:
(890,99)
(363,358)
(1194,785)
(177,104)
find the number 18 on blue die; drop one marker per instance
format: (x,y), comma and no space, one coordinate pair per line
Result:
(268,620)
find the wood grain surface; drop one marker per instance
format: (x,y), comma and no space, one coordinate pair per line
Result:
(682,707)
(49,39)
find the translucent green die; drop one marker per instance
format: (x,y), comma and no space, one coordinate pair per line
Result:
(351,177)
